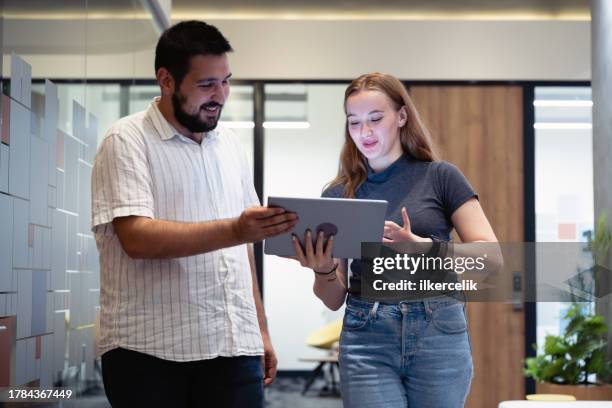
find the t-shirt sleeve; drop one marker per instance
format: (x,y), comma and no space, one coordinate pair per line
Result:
(121,180)
(453,187)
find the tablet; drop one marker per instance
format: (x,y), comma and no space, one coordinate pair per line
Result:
(351,221)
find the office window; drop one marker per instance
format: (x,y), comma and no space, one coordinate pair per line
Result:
(563,179)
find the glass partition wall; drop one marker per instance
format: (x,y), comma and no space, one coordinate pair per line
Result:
(563,180)
(49,276)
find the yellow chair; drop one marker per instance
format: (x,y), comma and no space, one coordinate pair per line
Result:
(325,338)
(550,397)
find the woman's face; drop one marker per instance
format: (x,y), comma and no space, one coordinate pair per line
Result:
(374,125)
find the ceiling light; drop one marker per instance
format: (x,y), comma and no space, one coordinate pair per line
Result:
(563,126)
(562,103)
(286,125)
(237,124)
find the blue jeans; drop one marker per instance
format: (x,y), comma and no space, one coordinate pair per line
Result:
(413,354)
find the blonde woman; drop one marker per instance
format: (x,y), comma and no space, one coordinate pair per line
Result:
(409,353)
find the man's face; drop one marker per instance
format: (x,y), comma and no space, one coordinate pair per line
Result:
(200,97)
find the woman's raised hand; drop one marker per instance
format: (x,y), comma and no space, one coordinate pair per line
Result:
(395,233)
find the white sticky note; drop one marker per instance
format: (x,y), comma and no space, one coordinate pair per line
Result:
(39,181)
(24,304)
(4,168)
(16,77)
(21,250)
(26,84)
(6,243)
(50,127)
(19,162)
(20,362)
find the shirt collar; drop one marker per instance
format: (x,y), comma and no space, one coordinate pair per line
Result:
(384,175)
(165,130)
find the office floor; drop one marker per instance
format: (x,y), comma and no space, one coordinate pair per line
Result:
(285,392)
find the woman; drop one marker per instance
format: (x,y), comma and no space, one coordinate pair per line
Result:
(409,353)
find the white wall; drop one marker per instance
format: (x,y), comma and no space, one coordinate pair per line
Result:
(411,49)
(418,50)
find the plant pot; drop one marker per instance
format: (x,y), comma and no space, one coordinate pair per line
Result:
(581,392)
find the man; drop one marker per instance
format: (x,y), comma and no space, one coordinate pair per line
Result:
(174,215)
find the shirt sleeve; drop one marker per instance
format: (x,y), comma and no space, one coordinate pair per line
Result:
(121,180)
(453,187)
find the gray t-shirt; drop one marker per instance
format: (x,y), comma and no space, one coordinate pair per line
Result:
(430,191)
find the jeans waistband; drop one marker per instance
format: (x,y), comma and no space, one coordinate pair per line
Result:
(431,303)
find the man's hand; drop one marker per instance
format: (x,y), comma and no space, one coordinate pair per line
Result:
(258,223)
(269,362)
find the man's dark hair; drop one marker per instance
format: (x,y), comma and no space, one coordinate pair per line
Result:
(184,40)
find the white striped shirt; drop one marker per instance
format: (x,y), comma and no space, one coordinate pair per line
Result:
(180,309)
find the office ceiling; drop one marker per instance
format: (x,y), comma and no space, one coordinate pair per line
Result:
(384,9)
(76,26)
(104,26)
(511,9)
(40,9)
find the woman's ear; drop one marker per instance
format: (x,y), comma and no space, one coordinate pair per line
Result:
(403,116)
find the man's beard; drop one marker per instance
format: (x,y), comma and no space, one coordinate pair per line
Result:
(194,123)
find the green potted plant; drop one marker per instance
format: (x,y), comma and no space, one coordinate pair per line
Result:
(575,362)
(599,242)
(599,245)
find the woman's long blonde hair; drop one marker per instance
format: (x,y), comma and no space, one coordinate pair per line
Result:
(414,137)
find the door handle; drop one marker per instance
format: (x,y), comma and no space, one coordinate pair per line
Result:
(517,291)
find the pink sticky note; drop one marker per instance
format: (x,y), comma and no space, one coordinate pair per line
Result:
(567,231)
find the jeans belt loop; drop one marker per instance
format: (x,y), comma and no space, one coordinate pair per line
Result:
(374,310)
(428,311)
